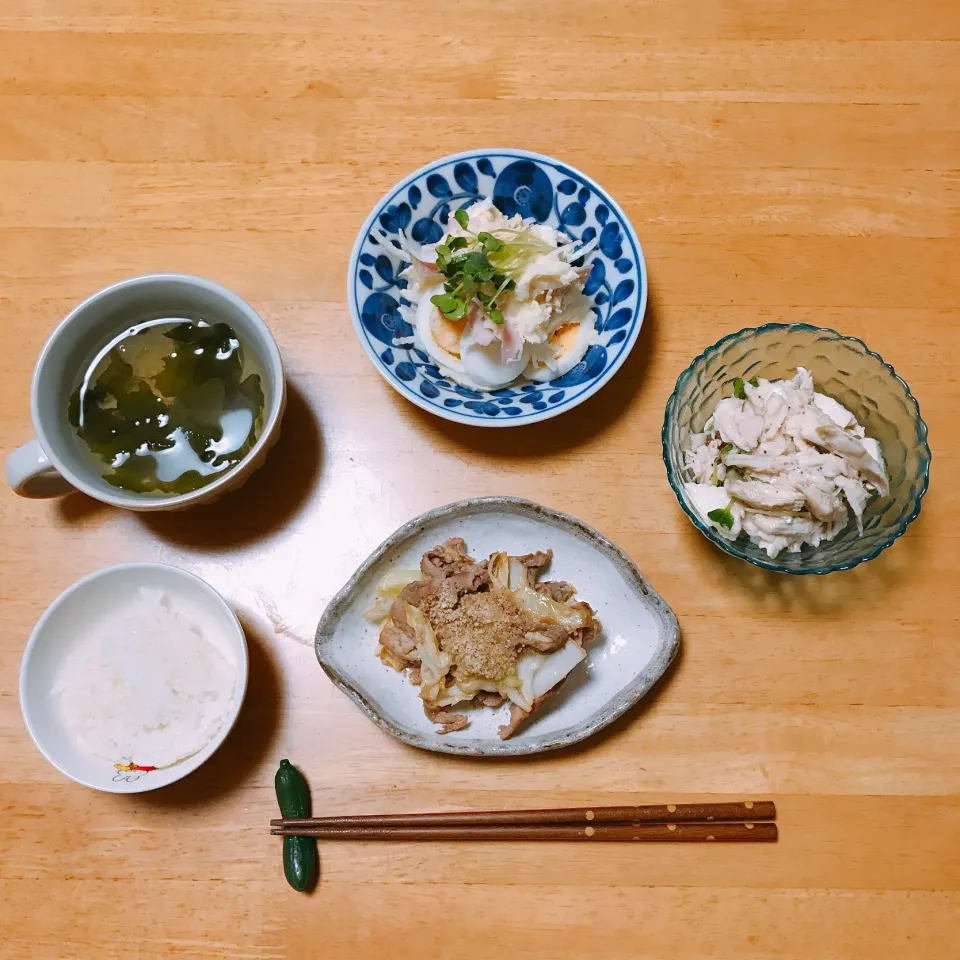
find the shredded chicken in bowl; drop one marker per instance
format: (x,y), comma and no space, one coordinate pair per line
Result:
(481,633)
(782,464)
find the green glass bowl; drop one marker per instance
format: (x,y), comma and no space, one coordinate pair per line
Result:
(845,369)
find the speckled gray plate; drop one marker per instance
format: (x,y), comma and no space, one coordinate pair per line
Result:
(640,632)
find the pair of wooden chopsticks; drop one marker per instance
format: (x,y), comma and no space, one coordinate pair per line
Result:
(745,822)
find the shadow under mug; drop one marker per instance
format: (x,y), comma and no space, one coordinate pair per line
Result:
(55,463)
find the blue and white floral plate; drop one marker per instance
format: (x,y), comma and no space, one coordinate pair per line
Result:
(519,182)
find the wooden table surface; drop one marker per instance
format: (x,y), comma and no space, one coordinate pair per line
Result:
(781,161)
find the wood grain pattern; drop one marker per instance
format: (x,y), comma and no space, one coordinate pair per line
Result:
(780,161)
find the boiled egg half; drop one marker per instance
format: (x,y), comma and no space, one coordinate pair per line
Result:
(567,346)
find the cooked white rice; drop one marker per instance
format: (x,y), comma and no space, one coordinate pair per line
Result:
(151,683)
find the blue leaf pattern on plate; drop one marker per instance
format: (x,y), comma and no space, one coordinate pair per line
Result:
(531,187)
(598,274)
(467,392)
(610,241)
(617,320)
(486,408)
(465,177)
(395,219)
(438,186)
(427,231)
(573,215)
(589,367)
(384,269)
(624,289)
(381,318)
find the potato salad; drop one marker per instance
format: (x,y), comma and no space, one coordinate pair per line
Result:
(499,298)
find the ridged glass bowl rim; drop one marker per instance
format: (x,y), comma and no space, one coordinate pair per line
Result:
(730,548)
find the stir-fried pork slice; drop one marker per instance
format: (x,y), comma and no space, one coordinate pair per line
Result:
(448,557)
(542,643)
(537,562)
(414,594)
(451,722)
(398,649)
(586,634)
(557,590)
(470,577)
(519,716)
(450,561)
(493,700)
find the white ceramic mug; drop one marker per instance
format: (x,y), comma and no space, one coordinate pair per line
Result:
(55,462)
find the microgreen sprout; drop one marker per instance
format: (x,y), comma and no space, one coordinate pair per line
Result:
(483,267)
(724,517)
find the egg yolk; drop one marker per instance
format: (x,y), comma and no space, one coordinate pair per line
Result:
(447,333)
(564,338)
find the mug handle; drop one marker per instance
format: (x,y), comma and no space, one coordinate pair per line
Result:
(31,474)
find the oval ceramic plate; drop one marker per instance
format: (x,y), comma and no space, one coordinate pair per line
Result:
(519,182)
(639,640)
